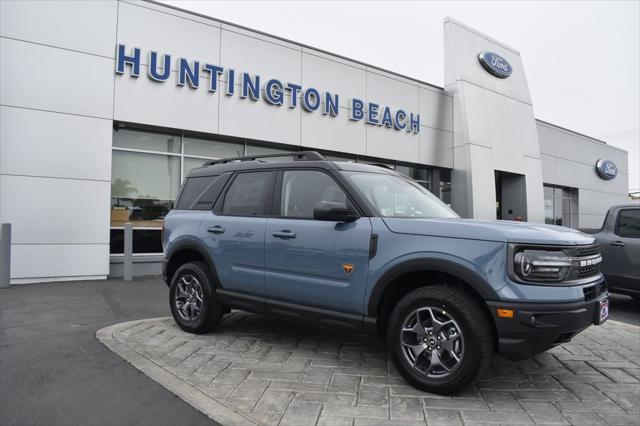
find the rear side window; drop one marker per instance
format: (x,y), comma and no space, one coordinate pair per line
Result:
(628,223)
(247,195)
(193,187)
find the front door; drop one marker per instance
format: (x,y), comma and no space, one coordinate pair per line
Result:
(624,252)
(234,232)
(314,263)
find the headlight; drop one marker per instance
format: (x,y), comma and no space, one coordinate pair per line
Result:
(542,265)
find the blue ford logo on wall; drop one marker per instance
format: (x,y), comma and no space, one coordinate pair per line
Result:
(606,169)
(495,64)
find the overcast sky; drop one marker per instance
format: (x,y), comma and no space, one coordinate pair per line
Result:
(582,58)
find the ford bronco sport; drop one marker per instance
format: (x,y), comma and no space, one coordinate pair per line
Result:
(367,249)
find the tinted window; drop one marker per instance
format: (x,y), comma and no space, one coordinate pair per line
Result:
(210,194)
(192,190)
(246,196)
(302,190)
(629,223)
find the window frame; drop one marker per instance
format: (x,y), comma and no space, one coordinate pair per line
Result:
(616,228)
(276,205)
(266,205)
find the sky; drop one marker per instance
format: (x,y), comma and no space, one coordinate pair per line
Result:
(582,58)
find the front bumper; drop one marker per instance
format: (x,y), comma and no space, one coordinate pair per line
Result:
(537,327)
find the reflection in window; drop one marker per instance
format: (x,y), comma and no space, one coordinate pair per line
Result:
(143,187)
(302,190)
(133,139)
(210,149)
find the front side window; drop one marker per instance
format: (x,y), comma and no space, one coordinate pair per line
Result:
(629,223)
(395,196)
(302,190)
(247,194)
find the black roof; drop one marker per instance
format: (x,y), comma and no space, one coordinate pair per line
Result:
(279,161)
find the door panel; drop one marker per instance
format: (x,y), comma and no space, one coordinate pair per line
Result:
(234,232)
(308,266)
(314,263)
(624,246)
(236,245)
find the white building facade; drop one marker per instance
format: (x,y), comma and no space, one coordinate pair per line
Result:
(106,106)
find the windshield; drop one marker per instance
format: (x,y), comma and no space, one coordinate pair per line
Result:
(396,196)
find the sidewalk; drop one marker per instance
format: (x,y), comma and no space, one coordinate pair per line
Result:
(260,370)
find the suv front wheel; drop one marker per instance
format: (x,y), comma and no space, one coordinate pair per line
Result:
(439,339)
(192,298)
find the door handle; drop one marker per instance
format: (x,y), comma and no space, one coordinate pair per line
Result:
(215,229)
(616,243)
(284,234)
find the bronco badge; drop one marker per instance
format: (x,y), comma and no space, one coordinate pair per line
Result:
(347,267)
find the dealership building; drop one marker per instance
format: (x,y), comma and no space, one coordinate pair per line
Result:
(106,106)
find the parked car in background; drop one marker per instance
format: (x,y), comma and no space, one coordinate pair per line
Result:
(619,240)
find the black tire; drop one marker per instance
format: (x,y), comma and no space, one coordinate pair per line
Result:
(473,346)
(210,312)
(636,298)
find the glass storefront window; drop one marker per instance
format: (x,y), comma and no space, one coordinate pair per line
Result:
(560,205)
(212,149)
(445,186)
(143,187)
(147,169)
(263,150)
(192,163)
(133,139)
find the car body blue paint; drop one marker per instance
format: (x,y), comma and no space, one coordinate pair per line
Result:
(308,270)
(311,266)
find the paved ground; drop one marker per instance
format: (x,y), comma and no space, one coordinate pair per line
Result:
(53,371)
(624,308)
(256,369)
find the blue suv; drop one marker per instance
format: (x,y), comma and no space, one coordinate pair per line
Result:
(367,249)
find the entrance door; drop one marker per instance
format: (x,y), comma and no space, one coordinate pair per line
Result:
(511,196)
(309,262)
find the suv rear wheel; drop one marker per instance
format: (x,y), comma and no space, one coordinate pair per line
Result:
(439,339)
(192,298)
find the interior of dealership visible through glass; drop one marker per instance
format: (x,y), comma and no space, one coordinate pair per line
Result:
(148,167)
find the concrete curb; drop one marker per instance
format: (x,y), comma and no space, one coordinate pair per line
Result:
(193,396)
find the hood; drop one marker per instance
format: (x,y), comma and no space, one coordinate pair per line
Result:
(490,230)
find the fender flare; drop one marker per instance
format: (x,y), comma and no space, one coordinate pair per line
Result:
(199,247)
(463,273)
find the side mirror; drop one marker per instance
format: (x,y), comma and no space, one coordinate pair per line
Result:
(334,212)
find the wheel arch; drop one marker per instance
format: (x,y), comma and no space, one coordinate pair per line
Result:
(411,274)
(188,250)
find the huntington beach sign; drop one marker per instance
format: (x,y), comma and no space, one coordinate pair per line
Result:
(275,92)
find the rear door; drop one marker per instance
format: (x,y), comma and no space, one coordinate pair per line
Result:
(234,232)
(314,263)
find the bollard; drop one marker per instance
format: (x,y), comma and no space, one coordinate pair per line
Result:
(5,255)
(128,252)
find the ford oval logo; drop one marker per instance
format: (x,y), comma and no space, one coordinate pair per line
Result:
(606,169)
(495,64)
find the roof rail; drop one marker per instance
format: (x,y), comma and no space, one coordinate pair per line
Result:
(297,156)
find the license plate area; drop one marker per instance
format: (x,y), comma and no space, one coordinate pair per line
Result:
(602,311)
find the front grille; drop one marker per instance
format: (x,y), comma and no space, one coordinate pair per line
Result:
(587,260)
(588,250)
(588,271)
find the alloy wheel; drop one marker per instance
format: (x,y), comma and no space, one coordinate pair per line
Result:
(188,297)
(432,342)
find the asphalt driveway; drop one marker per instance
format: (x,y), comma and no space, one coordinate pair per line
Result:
(53,371)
